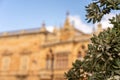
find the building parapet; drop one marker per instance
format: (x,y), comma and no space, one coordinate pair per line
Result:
(21,32)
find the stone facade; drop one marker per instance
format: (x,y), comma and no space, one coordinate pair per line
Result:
(37,54)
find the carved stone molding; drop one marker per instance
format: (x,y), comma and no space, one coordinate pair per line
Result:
(6,53)
(25,52)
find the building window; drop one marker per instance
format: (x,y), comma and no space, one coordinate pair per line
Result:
(5,63)
(61,61)
(48,62)
(79,56)
(24,63)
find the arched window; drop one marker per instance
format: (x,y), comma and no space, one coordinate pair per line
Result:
(61,60)
(80,56)
(24,62)
(5,63)
(49,60)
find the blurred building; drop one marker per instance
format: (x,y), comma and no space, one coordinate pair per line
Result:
(37,54)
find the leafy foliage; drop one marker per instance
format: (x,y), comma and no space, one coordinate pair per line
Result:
(97,9)
(102,61)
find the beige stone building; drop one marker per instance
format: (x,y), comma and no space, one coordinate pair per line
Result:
(37,54)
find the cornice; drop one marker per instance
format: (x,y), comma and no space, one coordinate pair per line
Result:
(63,42)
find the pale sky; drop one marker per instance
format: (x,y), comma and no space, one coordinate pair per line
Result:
(25,14)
